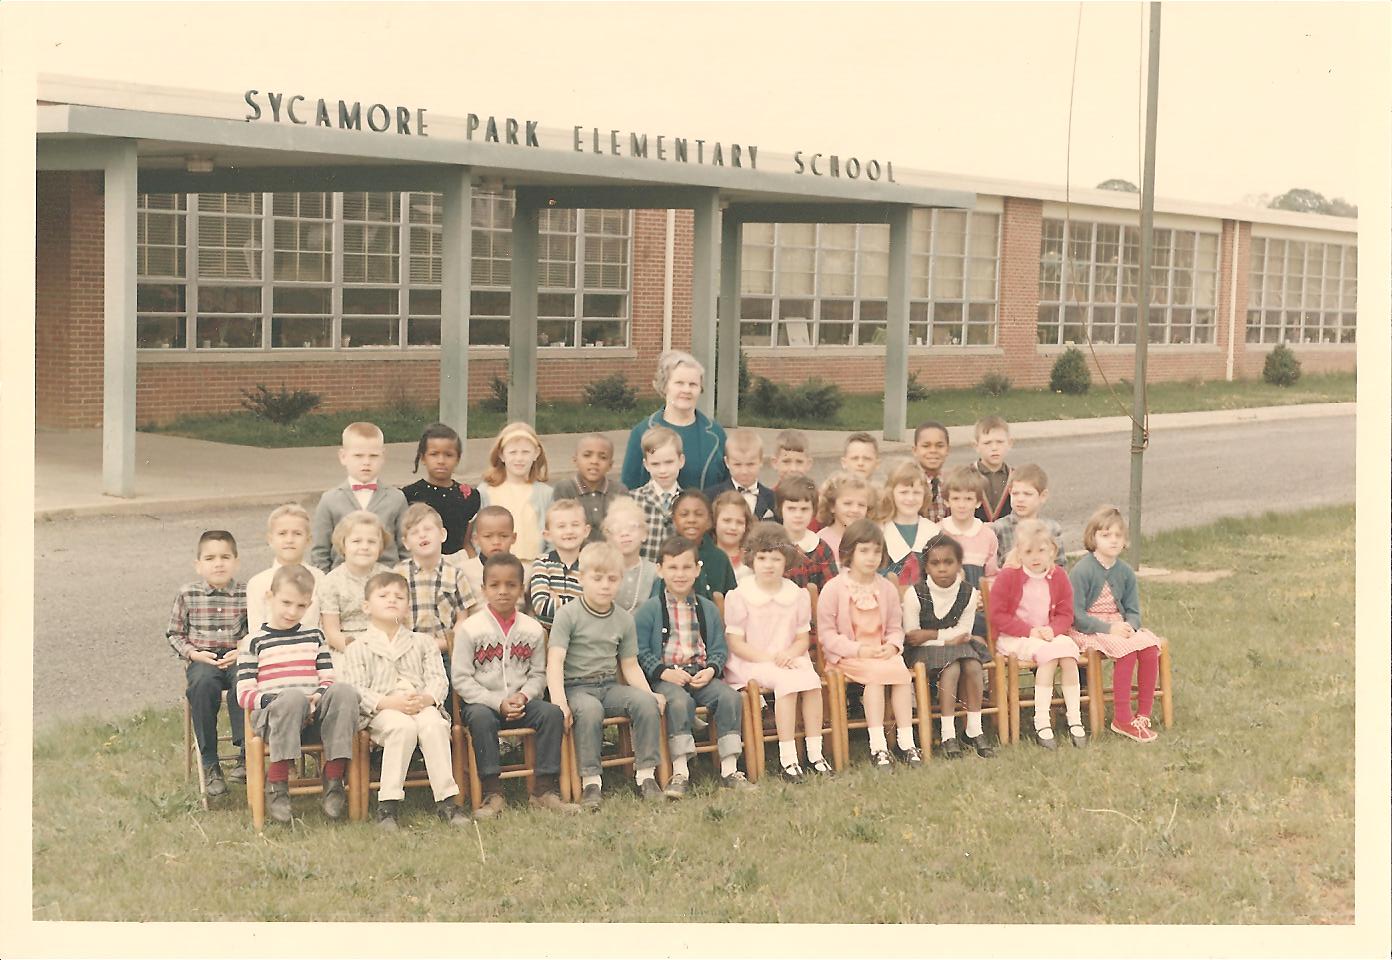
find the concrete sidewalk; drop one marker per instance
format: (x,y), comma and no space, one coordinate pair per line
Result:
(176,473)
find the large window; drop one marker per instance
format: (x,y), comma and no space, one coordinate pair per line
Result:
(1302,292)
(1089,274)
(292,271)
(808,284)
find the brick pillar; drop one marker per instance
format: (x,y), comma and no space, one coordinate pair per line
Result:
(68,304)
(1226,266)
(1022,224)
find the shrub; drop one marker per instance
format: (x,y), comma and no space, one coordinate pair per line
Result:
(745,381)
(1282,367)
(917,391)
(282,406)
(611,393)
(1070,373)
(813,400)
(994,385)
(498,402)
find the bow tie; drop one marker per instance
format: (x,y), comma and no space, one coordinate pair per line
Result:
(364,486)
(749,490)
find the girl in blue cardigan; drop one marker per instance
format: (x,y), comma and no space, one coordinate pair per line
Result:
(1107,618)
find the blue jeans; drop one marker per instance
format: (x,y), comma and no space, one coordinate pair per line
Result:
(726,709)
(591,702)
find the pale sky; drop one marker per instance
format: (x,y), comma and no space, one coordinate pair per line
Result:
(1255,97)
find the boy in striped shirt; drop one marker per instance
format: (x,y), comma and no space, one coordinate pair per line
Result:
(555,580)
(285,677)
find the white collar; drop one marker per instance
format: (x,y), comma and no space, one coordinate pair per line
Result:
(809,541)
(950,526)
(898,548)
(944,594)
(1035,576)
(755,596)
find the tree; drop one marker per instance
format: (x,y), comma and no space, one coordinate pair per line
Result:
(1339,207)
(1300,200)
(1116,183)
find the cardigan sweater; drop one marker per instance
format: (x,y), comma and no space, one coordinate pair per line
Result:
(834,630)
(489,666)
(652,622)
(1087,577)
(377,666)
(703,446)
(1005,600)
(389,503)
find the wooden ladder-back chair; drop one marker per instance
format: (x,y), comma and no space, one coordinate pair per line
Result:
(995,701)
(463,742)
(710,745)
(759,735)
(302,780)
(1104,693)
(191,751)
(623,757)
(922,718)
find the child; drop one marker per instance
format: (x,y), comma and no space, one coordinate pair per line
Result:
(860,628)
(516,479)
(845,499)
(964,487)
(1029,489)
(362,453)
(1107,617)
(624,528)
(938,614)
(287,532)
(906,530)
(1032,610)
(208,620)
(930,450)
(494,532)
(586,639)
(992,444)
(402,688)
(768,630)
(591,486)
(499,673)
(440,595)
(732,523)
(691,518)
(744,455)
(360,539)
(285,677)
(815,563)
(662,458)
(440,449)
(681,648)
(861,456)
(554,582)
(790,456)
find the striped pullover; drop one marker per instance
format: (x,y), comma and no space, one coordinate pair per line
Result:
(274,661)
(552,585)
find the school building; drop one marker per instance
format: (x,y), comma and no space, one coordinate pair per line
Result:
(191,245)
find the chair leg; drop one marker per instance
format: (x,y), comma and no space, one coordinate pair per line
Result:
(999,700)
(925,720)
(1012,692)
(1166,688)
(256,778)
(664,759)
(565,776)
(475,784)
(568,748)
(529,758)
(359,776)
(1095,702)
(754,717)
(188,744)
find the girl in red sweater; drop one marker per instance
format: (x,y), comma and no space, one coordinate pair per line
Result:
(1031,610)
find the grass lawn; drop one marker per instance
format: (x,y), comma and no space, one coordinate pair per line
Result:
(1243,813)
(860,412)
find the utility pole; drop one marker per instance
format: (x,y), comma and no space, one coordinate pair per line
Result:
(1138,404)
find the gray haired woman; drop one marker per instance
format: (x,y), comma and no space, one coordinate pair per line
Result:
(679,381)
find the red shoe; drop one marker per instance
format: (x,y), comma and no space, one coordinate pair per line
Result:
(1138,729)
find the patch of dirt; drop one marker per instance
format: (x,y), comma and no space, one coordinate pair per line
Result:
(1161,575)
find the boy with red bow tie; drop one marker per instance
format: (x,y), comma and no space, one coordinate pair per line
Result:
(362,454)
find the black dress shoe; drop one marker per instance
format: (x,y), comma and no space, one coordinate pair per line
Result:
(951,748)
(979,744)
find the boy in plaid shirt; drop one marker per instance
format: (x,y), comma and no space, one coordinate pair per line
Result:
(663,459)
(208,620)
(439,591)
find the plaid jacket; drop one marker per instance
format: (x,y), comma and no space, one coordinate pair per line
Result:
(437,596)
(657,512)
(207,618)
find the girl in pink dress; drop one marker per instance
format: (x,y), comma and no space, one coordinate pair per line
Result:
(845,499)
(732,522)
(1031,609)
(768,621)
(1107,618)
(860,628)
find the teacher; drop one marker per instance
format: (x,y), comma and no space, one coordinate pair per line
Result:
(679,380)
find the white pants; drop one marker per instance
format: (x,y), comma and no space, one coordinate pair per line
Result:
(399,733)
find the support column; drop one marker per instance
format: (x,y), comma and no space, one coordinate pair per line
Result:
(522,331)
(728,343)
(118,365)
(896,406)
(705,261)
(457,261)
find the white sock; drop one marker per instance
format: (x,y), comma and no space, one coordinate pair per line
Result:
(973,723)
(591,781)
(814,749)
(877,740)
(679,768)
(1042,697)
(729,765)
(949,727)
(1073,705)
(904,736)
(787,753)
(646,773)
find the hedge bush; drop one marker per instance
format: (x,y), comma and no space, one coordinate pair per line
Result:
(1070,373)
(611,393)
(1282,367)
(282,406)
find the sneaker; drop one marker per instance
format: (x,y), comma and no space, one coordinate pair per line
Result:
(792,773)
(238,772)
(1044,736)
(492,806)
(589,797)
(649,790)
(737,781)
(213,781)
(278,801)
(979,744)
(1078,734)
(881,761)
(821,768)
(951,748)
(551,801)
(911,756)
(676,787)
(386,815)
(1138,729)
(451,812)
(335,801)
